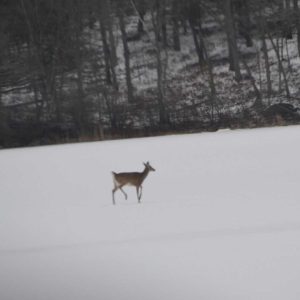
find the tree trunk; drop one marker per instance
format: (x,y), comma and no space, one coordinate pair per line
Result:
(162,7)
(287,17)
(198,47)
(112,44)
(140,27)
(258,101)
(194,18)
(107,16)
(297,21)
(80,107)
(130,96)
(105,52)
(163,116)
(140,9)
(244,23)
(281,68)
(231,39)
(212,86)
(36,49)
(267,65)
(262,32)
(176,39)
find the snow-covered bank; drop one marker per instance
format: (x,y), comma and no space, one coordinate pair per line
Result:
(219,219)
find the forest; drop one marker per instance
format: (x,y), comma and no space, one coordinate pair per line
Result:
(73,71)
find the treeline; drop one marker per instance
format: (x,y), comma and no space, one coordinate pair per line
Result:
(63,76)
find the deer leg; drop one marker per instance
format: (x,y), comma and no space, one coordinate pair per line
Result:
(141,189)
(123,192)
(137,193)
(114,190)
(113,195)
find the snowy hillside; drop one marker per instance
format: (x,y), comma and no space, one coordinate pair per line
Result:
(219,219)
(103,70)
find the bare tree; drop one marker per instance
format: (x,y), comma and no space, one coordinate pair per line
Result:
(194,17)
(120,12)
(211,80)
(262,31)
(280,65)
(297,22)
(157,22)
(244,22)
(231,39)
(175,14)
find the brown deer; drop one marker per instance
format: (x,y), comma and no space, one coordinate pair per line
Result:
(130,178)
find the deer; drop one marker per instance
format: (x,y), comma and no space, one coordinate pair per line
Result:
(130,178)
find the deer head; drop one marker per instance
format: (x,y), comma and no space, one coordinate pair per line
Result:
(148,166)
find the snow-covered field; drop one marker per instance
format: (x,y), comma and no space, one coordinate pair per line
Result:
(219,219)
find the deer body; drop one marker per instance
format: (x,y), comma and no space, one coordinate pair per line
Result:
(132,179)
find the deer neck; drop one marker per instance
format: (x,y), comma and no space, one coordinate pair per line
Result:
(145,174)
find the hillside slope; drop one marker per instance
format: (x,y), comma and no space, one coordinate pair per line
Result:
(86,71)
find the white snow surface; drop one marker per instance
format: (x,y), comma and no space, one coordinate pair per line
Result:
(219,219)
